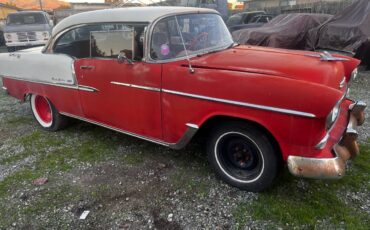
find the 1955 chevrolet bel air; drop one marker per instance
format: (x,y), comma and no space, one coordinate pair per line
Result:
(166,74)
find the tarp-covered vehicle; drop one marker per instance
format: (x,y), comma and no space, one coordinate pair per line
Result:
(348,31)
(285,31)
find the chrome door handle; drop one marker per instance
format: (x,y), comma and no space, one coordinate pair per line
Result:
(87,67)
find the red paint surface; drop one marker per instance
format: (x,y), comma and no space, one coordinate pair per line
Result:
(43,109)
(263,76)
(131,109)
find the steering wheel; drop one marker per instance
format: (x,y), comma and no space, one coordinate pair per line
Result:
(187,37)
(202,37)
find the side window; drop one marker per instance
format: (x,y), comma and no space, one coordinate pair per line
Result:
(102,41)
(76,42)
(108,44)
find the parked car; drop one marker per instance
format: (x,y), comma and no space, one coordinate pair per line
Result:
(242,18)
(289,31)
(255,22)
(166,74)
(26,29)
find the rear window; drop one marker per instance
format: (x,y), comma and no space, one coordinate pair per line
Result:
(25,19)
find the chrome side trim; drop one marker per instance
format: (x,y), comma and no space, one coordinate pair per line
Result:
(243,104)
(45,83)
(322,143)
(136,86)
(76,87)
(189,134)
(87,88)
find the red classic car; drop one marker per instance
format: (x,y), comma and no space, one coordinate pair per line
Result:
(166,74)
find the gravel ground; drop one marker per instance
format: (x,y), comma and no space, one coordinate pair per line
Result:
(360,91)
(127,183)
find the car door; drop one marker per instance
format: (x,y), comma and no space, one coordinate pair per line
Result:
(122,95)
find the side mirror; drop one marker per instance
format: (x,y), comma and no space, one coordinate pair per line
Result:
(122,58)
(51,23)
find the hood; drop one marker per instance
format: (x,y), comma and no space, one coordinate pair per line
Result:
(27,28)
(298,65)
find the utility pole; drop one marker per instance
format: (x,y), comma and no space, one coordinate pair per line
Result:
(40,2)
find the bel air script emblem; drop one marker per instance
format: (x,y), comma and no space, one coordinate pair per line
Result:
(59,80)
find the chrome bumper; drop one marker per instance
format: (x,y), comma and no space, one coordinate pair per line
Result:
(332,168)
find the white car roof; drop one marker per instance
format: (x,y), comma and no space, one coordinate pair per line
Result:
(128,14)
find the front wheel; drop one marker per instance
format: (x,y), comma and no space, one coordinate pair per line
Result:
(46,114)
(243,156)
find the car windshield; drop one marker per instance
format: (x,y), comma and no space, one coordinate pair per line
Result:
(234,20)
(175,36)
(25,19)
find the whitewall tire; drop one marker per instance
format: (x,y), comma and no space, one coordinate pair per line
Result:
(243,156)
(46,114)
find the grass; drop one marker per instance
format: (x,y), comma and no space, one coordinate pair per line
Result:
(133,158)
(189,180)
(19,120)
(42,203)
(305,206)
(52,155)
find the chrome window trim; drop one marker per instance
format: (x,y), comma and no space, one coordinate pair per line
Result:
(136,86)
(184,140)
(49,48)
(243,104)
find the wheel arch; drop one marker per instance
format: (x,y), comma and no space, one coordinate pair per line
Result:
(210,123)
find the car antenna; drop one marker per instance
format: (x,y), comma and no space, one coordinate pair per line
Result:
(191,70)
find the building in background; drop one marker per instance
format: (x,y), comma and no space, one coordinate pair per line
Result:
(297,6)
(75,8)
(6,9)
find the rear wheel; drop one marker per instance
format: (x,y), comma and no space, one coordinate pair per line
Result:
(46,114)
(243,156)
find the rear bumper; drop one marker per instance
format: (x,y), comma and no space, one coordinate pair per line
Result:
(332,168)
